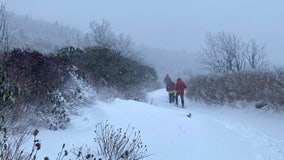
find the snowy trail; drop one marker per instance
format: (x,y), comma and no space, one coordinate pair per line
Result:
(266,147)
(269,146)
(211,133)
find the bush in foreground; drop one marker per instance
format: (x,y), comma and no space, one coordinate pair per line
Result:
(112,145)
(119,144)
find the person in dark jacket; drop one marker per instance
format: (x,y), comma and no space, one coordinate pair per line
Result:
(170,87)
(180,86)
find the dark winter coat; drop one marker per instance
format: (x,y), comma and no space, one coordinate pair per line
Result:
(171,87)
(180,86)
(167,79)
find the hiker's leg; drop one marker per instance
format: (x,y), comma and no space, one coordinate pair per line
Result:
(173,97)
(177,94)
(182,98)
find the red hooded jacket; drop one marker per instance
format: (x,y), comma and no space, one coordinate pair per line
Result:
(180,86)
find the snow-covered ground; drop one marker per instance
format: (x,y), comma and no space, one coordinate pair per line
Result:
(213,132)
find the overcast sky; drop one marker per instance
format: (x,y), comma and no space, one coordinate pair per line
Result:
(169,24)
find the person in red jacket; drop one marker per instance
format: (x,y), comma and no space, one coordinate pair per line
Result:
(180,86)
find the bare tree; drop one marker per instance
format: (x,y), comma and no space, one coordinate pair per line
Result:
(255,55)
(102,35)
(6,31)
(228,53)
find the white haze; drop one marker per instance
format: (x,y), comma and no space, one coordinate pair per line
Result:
(176,25)
(169,34)
(43,36)
(175,63)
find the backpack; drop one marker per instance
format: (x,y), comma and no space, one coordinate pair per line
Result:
(171,86)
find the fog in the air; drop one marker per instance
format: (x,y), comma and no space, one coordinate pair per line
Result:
(175,27)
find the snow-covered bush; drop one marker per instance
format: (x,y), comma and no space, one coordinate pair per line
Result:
(8,95)
(262,87)
(105,68)
(59,116)
(54,115)
(77,92)
(7,91)
(49,88)
(35,73)
(39,78)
